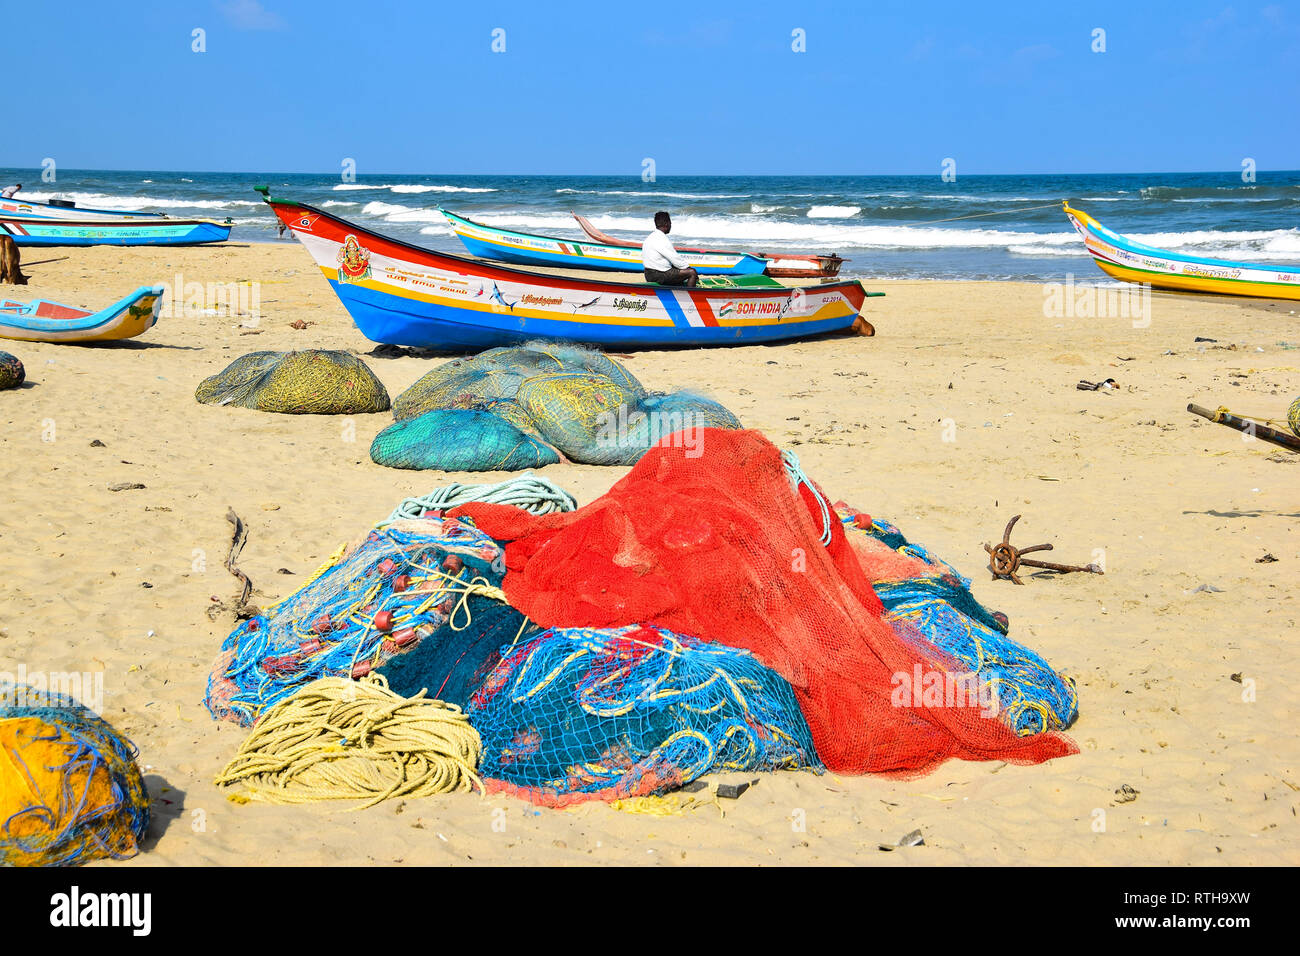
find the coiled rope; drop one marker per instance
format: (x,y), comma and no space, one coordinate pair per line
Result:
(340,739)
(532,493)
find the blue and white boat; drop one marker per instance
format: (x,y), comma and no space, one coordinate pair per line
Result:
(489,242)
(58,224)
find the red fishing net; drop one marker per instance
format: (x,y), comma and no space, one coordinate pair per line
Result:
(712,540)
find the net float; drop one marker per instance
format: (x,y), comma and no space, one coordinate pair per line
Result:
(307,648)
(402,582)
(452,564)
(386,567)
(388,647)
(361,669)
(384,621)
(862,521)
(430,514)
(322,624)
(403,636)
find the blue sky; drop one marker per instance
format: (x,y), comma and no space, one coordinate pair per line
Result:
(590,88)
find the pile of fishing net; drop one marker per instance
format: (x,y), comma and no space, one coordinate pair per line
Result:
(711,612)
(736,547)
(926,594)
(424,581)
(519,407)
(12,373)
(70,789)
(308,382)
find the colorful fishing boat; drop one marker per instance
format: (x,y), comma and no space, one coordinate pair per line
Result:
(402,294)
(780,265)
(129,231)
(44,321)
(65,209)
(1122,258)
(526,249)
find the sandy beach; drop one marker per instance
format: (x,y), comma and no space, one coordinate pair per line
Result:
(961,412)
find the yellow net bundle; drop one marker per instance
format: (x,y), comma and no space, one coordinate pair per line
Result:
(307,382)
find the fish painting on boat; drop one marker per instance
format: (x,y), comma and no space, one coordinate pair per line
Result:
(45,321)
(524,248)
(413,296)
(1123,258)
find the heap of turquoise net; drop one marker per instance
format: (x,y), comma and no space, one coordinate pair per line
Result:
(582,713)
(70,788)
(936,602)
(519,407)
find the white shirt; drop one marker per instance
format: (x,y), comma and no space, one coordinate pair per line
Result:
(658,253)
(8,192)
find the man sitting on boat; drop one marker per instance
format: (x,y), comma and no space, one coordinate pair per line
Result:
(8,191)
(663,265)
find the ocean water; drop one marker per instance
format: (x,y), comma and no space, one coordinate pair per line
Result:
(978,227)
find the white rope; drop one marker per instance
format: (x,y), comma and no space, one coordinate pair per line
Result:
(532,493)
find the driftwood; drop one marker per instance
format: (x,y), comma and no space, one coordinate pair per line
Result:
(237,540)
(1263,432)
(10,262)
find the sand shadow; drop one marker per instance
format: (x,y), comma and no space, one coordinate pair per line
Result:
(166,806)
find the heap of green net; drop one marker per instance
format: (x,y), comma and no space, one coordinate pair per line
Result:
(520,407)
(309,382)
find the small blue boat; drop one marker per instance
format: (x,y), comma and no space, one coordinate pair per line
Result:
(526,249)
(91,227)
(63,209)
(45,321)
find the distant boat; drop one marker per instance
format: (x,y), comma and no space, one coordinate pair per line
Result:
(530,250)
(44,321)
(402,294)
(103,231)
(66,209)
(780,265)
(1131,261)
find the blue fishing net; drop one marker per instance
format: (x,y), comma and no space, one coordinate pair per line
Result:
(1031,697)
(578,713)
(406,581)
(459,440)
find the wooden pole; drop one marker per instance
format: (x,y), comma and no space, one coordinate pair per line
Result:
(1262,432)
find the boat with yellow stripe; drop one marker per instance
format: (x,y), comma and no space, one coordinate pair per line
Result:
(45,321)
(492,242)
(403,294)
(1131,261)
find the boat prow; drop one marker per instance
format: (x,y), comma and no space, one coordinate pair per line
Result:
(1123,258)
(45,321)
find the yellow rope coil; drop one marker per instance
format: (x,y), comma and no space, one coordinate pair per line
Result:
(340,739)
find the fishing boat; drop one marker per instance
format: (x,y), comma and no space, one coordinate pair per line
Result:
(118,231)
(403,294)
(44,321)
(526,249)
(1122,258)
(780,265)
(66,209)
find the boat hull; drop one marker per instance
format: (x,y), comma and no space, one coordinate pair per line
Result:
(503,245)
(400,294)
(43,321)
(1122,258)
(113,232)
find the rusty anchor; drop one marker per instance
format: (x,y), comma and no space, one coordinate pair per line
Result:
(1005,559)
